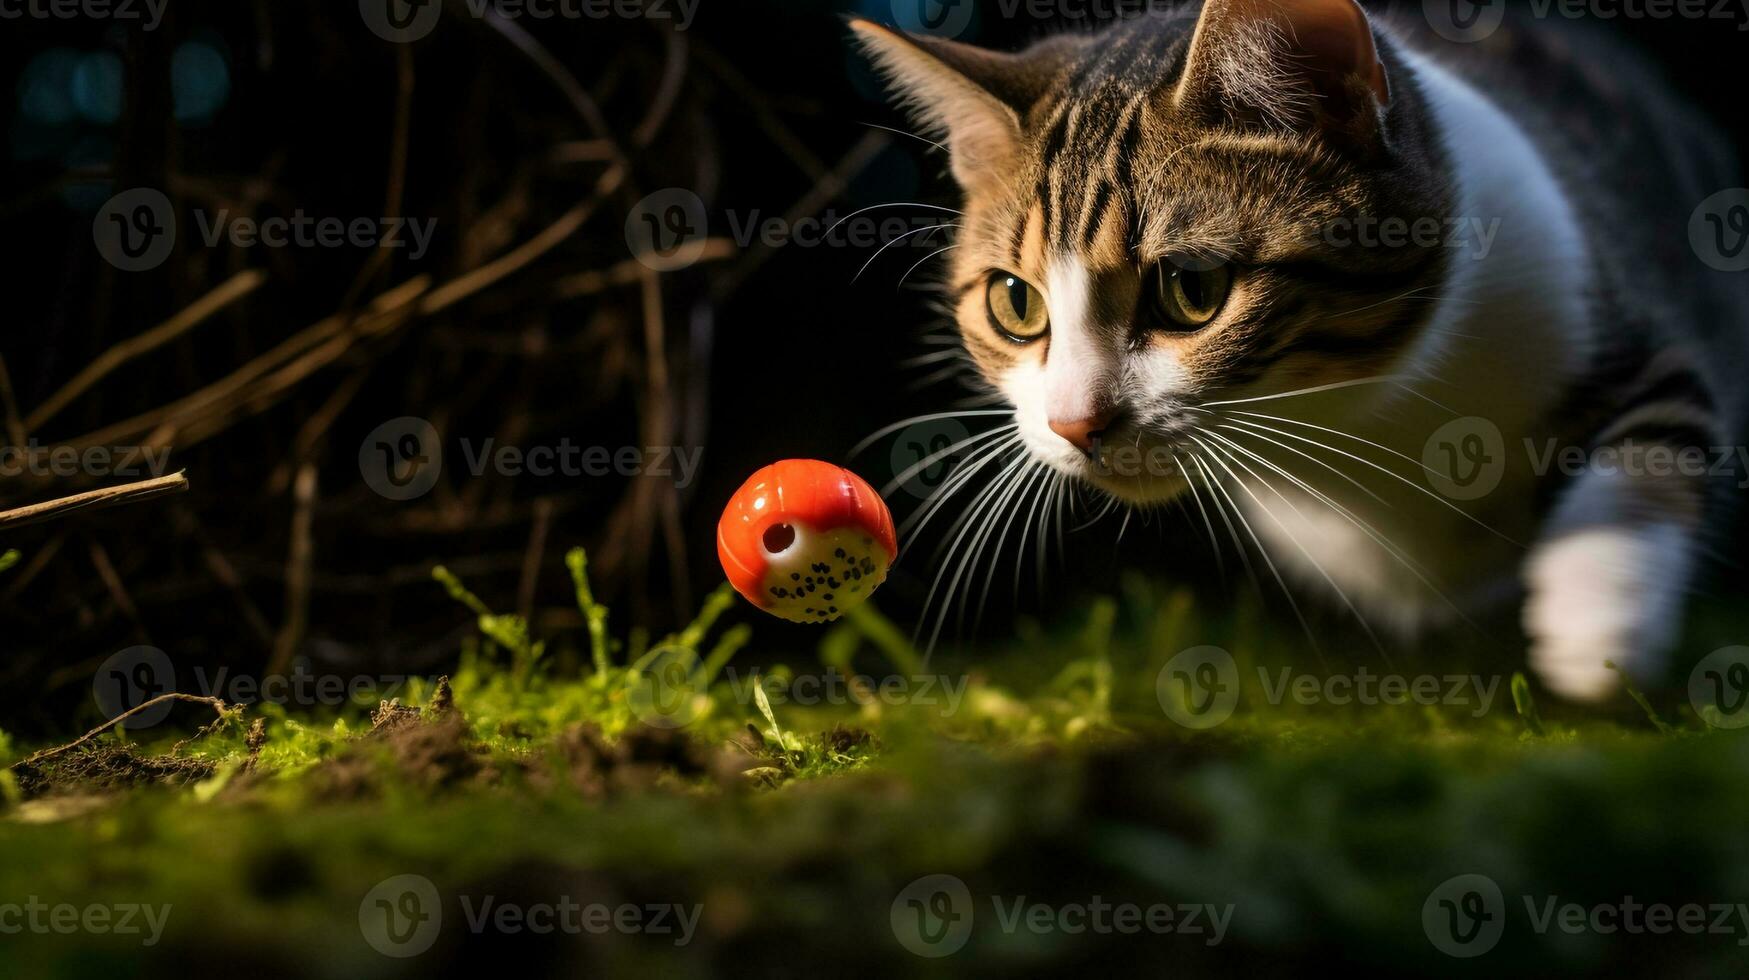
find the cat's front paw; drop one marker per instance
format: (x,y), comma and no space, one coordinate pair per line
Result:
(1598,596)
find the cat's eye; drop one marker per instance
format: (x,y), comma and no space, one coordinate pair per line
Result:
(1017,310)
(1191,293)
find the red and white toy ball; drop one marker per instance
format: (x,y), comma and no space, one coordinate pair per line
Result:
(806,541)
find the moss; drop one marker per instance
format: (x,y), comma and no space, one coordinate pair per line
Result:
(1047,771)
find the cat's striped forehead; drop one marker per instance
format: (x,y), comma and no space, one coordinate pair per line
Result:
(1113,174)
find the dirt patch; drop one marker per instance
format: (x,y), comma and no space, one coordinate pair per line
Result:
(401,747)
(101,766)
(638,759)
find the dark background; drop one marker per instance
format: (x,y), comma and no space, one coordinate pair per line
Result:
(267,108)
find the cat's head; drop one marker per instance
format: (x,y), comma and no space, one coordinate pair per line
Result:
(1165,214)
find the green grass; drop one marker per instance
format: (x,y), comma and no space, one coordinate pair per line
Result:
(1046,771)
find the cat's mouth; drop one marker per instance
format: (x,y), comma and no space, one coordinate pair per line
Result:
(1134,465)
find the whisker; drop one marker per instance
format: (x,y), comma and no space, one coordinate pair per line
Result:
(1038,496)
(941,454)
(1415,568)
(1196,494)
(1264,553)
(981,504)
(895,241)
(1110,502)
(890,204)
(1305,391)
(1367,462)
(1364,625)
(901,132)
(888,430)
(935,358)
(922,260)
(960,477)
(1000,505)
(1029,480)
(1300,452)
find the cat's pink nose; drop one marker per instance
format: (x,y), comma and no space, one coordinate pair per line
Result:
(1082,432)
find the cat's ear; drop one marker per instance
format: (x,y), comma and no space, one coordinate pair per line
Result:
(1298,64)
(971,97)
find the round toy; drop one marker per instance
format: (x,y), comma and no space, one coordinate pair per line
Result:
(806,541)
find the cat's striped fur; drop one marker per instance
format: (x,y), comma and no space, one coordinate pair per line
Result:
(1265,136)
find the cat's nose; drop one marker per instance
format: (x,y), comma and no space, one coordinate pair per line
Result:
(1083,432)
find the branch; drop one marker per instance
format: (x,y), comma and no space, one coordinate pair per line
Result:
(217,704)
(129,493)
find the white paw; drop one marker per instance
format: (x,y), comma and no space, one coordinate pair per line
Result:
(1603,594)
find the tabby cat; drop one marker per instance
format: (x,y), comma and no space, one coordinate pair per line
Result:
(1258,255)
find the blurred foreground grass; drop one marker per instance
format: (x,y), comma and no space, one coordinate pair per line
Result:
(791,817)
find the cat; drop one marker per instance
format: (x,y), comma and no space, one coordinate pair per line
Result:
(1189,240)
